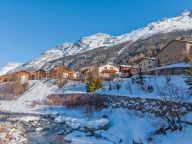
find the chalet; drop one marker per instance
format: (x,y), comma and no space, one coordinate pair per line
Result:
(125,70)
(89,71)
(62,72)
(20,75)
(146,63)
(4,78)
(174,52)
(108,71)
(38,75)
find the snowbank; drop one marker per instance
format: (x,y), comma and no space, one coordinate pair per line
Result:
(77,123)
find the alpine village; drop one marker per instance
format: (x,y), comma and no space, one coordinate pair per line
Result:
(134,88)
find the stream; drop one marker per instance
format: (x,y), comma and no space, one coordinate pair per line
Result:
(48,134)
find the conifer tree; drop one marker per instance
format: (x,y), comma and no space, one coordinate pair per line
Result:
(93,83)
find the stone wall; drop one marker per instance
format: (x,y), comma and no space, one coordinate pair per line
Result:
(167,71)
(150,105)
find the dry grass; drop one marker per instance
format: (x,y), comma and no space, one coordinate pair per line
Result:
(12,89)
(86,101)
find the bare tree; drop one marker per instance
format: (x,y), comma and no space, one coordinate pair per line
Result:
(174,99)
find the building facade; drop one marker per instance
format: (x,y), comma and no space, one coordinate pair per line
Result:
(175,51)
(62,73)
(146,64)
(108,71)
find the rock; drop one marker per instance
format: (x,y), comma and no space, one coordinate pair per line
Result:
(39,129)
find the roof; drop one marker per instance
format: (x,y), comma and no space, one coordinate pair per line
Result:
(129,66)
(170,43)
(108,71)
(109,64)
(21,72)
(86,68)
(145,58)
(64,67)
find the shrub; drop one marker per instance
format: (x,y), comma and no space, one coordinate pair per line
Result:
(88,102)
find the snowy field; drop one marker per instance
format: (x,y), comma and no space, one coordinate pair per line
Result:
(132,89)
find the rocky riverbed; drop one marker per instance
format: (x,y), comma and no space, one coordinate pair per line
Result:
(30,129)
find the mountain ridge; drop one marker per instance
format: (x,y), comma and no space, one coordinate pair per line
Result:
(182,22)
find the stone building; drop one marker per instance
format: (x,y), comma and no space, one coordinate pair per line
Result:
(175,51)
(146,64)
(89,71)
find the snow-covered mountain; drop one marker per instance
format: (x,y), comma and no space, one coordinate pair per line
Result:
(182,22)
(89,43)
(8,67)
(82,45)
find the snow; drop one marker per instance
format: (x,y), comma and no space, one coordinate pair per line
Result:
(176,65)
(81,138)
(76,123)
(73,87)
(37,93)
(8,67)
(30,118)
(128,88)
(181,22)
(124,125)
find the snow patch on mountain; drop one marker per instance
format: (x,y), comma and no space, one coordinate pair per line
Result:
(8,67)
(38,63)
(89,43)
(165,25)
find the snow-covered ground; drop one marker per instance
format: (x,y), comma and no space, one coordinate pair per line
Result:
(73,87)
(37,93)
(176,65)
(124,126)
(130,88)
(39,90)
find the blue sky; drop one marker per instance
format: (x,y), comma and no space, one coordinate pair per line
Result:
(30,27)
